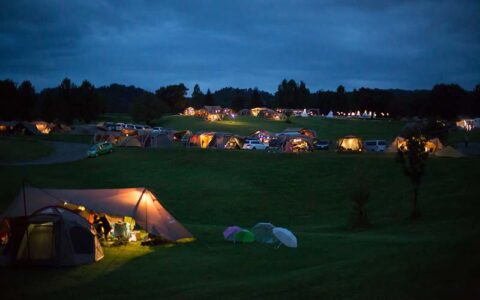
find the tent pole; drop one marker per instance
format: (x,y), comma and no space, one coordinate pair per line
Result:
(25,214)
(138,203)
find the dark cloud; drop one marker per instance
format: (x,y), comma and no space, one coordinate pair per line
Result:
(242,43)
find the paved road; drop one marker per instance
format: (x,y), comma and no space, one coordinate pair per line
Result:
(63,152)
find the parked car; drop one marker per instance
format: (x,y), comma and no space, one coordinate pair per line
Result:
(119,126)
(254,145)
(139,127)
(321,144)
(375,145)
(129,126)
(100,149)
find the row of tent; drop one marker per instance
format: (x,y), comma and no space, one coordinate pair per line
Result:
(292,140)
(150,140)
(53,226)
(31,128)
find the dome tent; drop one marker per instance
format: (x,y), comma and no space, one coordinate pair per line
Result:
(52,236)
(350,143)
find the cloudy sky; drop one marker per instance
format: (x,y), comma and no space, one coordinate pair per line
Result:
(384,44)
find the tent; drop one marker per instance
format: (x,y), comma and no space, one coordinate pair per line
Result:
(295,144)
(263,135)
(330,114)
(433,145)
(214,117)
(137,203)
(158,141)
(261,112)
(350,143)
(304,131)
(400,143)
(244,112)
(52,236)
(130,141)
(234,142)
(449,151)
(189,111)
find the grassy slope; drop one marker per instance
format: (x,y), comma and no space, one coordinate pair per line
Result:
(207,190)
(22,148)
(326,128)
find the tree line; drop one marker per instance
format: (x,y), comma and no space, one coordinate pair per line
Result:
(64,103)
(68,102)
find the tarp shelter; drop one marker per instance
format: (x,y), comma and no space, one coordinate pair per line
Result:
(304,131)
(52,236)
(448,151)
(137,203)
(350,143)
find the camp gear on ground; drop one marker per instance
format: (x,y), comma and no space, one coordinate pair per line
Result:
(285,237)
(230,231)
(263,233)
(138,203)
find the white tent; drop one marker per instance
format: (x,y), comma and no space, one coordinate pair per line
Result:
(330,114)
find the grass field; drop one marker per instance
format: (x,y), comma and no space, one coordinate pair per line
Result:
(437,257)
(22,148)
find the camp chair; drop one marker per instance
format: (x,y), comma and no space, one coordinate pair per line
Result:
(121,233)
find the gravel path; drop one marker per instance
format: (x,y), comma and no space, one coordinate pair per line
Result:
(63,152)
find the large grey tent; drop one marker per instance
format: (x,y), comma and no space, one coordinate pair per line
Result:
(52,236)
(137,203)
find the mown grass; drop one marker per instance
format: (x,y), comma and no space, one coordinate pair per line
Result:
(22,149)
(437,257)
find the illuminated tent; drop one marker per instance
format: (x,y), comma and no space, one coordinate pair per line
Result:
(398,144)
(214,117)
(201,140)
(263,135)
(433,145)
(295,144)
(52,236)
(137,203)
(449,151)
(189,111)
(350,143)
(234,142)
(304,131)
(178,135)
(262,112)
(130,141)
(43,127)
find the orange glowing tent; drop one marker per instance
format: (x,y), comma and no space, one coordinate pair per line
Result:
(137,203)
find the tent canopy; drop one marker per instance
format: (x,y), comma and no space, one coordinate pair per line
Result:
(350,143)
(138,203)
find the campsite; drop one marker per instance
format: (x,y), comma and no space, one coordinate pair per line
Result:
(270,149)
(206,191)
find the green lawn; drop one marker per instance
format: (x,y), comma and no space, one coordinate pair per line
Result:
(22,148)
(326,128)
(435,258)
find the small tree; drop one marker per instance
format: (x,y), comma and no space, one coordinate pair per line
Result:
(360,194)
(413,161)
(288,114)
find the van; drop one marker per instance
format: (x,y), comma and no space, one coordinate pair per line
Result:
(375,145)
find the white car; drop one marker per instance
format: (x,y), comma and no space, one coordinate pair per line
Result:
(375,145)
(254,145)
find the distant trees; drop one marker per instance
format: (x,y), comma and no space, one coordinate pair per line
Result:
(209,98)
(198,98)
(173,96)
(147,108)
(292,95)
(255,98)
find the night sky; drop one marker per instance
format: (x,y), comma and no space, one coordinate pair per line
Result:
(384,44)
